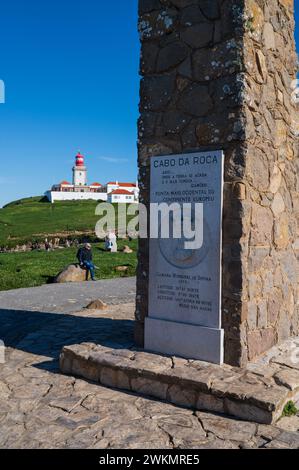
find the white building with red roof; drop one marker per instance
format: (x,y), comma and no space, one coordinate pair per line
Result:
(121,195)
(122,192)
(79,189)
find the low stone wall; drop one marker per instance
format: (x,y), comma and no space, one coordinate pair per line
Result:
(257,394)
(72,240)
(74,196)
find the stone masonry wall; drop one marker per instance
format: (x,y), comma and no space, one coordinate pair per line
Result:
(270,235)
(217,75)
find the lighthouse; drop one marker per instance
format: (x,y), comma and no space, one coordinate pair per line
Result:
(79,171)
(79,190)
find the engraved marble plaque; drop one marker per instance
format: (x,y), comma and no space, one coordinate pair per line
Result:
(185,282)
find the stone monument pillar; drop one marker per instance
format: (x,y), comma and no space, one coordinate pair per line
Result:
(217,75)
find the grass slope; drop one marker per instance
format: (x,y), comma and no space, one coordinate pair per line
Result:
(37,267)
(32,219)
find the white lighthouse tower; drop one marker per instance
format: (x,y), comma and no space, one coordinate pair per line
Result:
(79,171)
(79,190)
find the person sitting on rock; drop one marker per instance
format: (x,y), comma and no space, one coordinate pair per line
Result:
(84,256)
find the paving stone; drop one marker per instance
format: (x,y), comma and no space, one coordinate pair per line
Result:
(70,423)
(190,377)
(225,428)
(9,436)
(288,378)
(180,426)
(134,442)
(209,402)
(149,387)
(179,362)
(271,398)
(43,409)
(31,391)
(154,362)
(290,439)
(266,371)
(100,444)
(156,409)
(123,353)
(181,396)
(114,378)
(4,391)
(276,444)
(67,403)
(115,410)
(289,423)
(83,438)
(247,411)
(47,414)
(268,432)
(134,431)
(208,443)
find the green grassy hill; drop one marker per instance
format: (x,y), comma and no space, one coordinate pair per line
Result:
(34,218)
(38,267)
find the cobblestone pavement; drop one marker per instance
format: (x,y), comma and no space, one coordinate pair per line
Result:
(40,408)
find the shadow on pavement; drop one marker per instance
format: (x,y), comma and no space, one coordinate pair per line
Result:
(45,334)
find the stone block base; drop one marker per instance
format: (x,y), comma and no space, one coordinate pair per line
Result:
(181,339)
(258,393)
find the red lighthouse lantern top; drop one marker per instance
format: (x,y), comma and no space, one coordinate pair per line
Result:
(79,159)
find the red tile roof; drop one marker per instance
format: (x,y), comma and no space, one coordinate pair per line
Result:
(95,184)
(121,191)
(129,185)
(65,183)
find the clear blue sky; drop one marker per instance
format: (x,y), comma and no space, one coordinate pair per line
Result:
(71,75)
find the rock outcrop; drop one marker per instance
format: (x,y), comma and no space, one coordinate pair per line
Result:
(72,273)
(97,304)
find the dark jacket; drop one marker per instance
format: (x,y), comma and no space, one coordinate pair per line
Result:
(84,255)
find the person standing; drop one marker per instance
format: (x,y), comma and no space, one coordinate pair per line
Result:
(84,256)
(47,245)
(110,242)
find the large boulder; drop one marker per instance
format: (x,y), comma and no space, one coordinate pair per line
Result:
(72,273)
